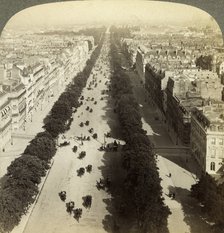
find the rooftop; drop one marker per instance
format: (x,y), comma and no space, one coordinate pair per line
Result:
(214,113)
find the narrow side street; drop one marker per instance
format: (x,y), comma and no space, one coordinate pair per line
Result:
(175,160)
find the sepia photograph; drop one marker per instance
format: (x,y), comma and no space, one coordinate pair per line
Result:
(111,118)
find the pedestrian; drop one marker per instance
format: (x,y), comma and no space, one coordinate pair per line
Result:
(173,196)
(169,174)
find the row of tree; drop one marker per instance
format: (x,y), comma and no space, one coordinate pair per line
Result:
(20,185)
(58,119)
(142,192)
(211,196)
(204,62)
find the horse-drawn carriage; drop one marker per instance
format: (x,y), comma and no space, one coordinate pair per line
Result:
(77,213)
(65,143)
(83,138)
(91,130)
(102,184)
(81,171)
(108,135)
(109,147)
(89,168)
(70,206)
(74,149)
(82,154)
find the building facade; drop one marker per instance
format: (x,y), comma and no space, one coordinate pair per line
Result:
(5,120)
(207,137)
(18,106)
(140,65)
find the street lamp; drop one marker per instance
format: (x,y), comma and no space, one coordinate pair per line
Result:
(81,139)
(104,139)
(24,125)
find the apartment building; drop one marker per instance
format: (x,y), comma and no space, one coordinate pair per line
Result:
(5,119)
(207,136)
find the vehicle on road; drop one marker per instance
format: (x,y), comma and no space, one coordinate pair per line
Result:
(82,154)
(70,206)
(108,134)
(103,183)
(91,130)
(74,149)
(62,195)
(77,213)
(89,168)
(65,143)
(81,171)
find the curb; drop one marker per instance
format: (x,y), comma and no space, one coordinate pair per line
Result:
(37,197)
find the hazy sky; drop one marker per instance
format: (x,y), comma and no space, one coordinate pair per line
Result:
(82,12)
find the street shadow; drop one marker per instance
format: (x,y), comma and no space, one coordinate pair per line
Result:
(112,119)
(187,162)
(158,135)
(116,221)
(3,179)
(193,214)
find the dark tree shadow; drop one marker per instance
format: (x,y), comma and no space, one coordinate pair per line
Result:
(193,213)
(115,221)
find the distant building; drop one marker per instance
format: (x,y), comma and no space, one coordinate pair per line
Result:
(155,83)
(5,119)
(184,91)
(27,84)
(17,98)
(140,65)
(207,136)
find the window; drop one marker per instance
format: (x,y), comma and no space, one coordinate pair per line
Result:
(213,141)
(221,153)
(213,153)
(220,141)
(8,74)
(212,166)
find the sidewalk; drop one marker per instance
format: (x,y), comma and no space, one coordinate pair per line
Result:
(22,137)
(173,159)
